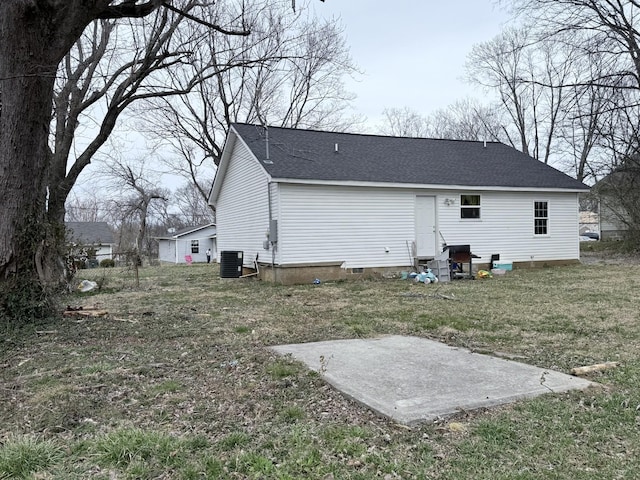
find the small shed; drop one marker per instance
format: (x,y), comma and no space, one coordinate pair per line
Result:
(188,245)
(96,236)
(306,203)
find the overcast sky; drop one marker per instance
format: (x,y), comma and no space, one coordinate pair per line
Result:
(412,52)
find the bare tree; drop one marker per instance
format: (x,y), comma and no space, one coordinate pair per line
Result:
(287,73)
(192,207)
(466,120)
(605,33)
(605,26)
(34,38)
(86,208)
(582,134)
(137,194)
(463,120)
(530,83)
(619,201)
(107,71)
(404,122)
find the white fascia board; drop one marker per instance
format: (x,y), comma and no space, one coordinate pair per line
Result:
(182,234)
(413,186)
(232,138)
(221,171)
(194,229)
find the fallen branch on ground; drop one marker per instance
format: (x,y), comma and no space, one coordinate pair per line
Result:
(593,368)
(84,312)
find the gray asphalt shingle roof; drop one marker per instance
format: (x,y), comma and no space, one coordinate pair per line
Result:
(311,155)
(89,233)
(184,231)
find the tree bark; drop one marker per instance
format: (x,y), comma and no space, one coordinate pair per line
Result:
(28,63)
(34,37)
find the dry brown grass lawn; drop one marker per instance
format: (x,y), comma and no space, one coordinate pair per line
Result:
(183,360)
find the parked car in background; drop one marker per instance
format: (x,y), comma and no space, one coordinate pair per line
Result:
(592,235)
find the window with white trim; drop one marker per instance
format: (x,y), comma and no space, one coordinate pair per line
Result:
(195,246)
(469,206)
(540,218)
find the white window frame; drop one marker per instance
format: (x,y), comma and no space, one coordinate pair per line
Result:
(195,246)
(477,207)
(540,221)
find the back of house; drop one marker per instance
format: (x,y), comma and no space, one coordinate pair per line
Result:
(302,204)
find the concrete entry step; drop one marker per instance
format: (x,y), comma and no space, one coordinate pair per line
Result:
(414,380)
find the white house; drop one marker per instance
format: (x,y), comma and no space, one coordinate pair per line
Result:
(94,236)
(188,245)
(304,203)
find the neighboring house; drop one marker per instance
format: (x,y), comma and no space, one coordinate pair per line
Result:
(612,227)
(616,193)
(313,203)
(91,236)
(188,244)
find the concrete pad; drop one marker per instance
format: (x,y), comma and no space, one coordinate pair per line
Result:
(414,380)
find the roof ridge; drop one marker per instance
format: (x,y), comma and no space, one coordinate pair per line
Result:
(354,134)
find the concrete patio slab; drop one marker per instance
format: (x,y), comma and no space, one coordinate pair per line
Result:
(414,380)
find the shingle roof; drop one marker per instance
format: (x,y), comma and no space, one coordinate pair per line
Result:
(89,233)
(330,156)
(185,231)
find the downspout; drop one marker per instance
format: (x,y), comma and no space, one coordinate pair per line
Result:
(176,250)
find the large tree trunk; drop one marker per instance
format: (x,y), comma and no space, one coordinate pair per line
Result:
(33,39)
(34,36)
(27,73)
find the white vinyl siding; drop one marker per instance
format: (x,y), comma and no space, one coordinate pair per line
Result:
(354,225)
(103,251)
(369,226)
(174,250)
(242,211)
(507,227)
(167,251)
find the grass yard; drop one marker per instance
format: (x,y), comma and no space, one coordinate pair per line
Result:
(176,381)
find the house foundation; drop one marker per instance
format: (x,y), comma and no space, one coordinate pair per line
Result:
(299,274)
(307,273)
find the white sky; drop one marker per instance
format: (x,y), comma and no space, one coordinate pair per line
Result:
(412,52)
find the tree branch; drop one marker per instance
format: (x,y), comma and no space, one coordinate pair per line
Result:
(130,9)
(217,28)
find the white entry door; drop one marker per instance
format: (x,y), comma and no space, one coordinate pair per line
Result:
(426,238)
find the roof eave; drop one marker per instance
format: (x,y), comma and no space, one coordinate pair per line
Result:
(221,171)
(232,137)
(354,183)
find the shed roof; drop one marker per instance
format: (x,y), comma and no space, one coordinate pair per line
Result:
(89,233)
(338,157)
